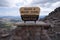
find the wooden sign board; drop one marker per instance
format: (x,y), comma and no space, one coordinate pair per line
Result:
(29,10)
(29,13)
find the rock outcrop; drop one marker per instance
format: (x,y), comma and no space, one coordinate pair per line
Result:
(54,18)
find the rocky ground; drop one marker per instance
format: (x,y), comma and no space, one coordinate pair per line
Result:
(54,18)
(27,33)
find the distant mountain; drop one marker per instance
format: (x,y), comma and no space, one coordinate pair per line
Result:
(42,16)
(17,17)
(10,17)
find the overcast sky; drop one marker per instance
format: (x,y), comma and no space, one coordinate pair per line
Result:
(11,7)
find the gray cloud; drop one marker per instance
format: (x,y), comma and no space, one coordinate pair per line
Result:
(43,1)
(46,5)
(8,3)
(3,3)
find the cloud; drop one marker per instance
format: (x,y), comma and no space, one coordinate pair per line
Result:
(56,4)
(46,6)
(14,3)
(8,3)
(43,1)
